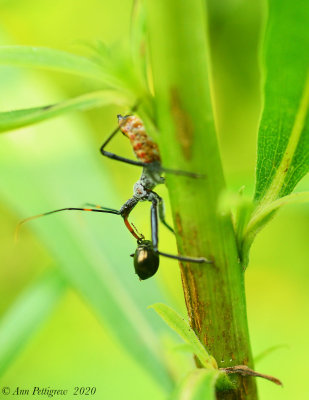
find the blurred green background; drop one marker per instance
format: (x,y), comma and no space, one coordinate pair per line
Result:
(52,164)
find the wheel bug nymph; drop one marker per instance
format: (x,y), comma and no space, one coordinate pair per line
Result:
(146,256)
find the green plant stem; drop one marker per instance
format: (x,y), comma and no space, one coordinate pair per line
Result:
(214,293)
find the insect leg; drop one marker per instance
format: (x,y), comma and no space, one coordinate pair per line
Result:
(115,156)
(110,137)
(154,224)
(154,237)
(122,159)
(125,212)
(162,214)
(182,173)
(197,260)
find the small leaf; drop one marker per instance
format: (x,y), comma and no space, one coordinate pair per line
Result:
(45,58)
(28,312)
(262,215)
(15,119)
(259,216)
(199,384)
(119,67)
(179,325)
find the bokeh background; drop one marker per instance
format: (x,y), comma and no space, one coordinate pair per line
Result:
(57,164)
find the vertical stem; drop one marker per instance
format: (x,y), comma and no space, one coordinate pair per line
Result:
(214,293)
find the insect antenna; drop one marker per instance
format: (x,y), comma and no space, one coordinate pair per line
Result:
(17,230)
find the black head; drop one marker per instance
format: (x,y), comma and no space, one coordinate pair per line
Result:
(146,260)
(122,122)
(122,117)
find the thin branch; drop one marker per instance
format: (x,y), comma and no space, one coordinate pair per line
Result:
(244,371)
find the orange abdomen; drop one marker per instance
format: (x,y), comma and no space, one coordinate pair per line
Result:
(145,149)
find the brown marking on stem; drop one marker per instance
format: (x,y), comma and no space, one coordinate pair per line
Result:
(244,370)
(178,223)
(192,300)
(205,338)
(186,292)
(198,319)
(182,123)
(196,323)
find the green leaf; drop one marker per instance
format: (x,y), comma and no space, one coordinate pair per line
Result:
(283,140)
(15,119)
(199,384)
(283,143)
(138,40)
(119,66)
(50,59)
(263,215)
(25,316)
(112,66)
(179,325)
(184,348)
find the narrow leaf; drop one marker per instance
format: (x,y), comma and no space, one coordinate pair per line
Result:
(263,215)
(259,217)
(184,348)
(179,325)
(138,39)
(199,384)
(118,64)
(45,58)
(25,316)
(283,143)
(15,119)
(283,140)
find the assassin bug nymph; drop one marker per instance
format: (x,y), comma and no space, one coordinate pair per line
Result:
(146,256)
